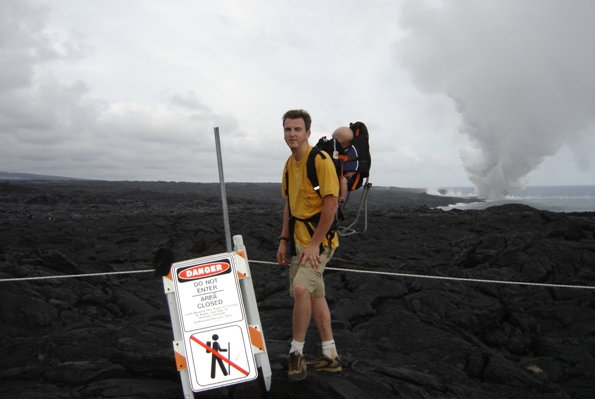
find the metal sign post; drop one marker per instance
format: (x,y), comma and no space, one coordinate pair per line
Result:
(223,191)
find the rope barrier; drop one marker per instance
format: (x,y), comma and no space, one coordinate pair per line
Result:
(341,269)
(5,280)
(463,279)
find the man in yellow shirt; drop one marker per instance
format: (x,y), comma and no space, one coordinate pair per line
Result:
(307,230)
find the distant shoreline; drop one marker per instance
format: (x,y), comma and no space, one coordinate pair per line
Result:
(444,198)
(380,198)
(441,190)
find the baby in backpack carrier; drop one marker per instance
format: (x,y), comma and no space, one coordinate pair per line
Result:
(344,136)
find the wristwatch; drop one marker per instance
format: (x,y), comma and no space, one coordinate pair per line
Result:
(282,238)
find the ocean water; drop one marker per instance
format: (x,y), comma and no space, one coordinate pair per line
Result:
(549,198)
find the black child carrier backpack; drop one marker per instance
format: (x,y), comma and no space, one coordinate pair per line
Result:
(357,156)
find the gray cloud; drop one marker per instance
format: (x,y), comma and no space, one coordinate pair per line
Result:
(114,91)
(49,125)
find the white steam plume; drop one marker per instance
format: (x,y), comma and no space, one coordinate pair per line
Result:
(522,74)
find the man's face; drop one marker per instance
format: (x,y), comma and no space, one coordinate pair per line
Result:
(296,134)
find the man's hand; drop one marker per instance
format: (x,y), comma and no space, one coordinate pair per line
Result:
(282,253)
(310,253)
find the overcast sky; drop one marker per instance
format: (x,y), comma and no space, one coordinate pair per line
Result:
(461,93)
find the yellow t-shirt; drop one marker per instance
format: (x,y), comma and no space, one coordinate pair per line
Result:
(304,202)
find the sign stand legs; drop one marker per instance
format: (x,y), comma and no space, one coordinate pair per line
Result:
(179,347)
(260,354)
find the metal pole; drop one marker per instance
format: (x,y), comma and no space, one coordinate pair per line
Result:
(223,192)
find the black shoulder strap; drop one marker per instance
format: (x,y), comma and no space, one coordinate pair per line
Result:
(311,168)
(313,177)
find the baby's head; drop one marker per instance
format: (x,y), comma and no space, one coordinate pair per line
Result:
(344,136)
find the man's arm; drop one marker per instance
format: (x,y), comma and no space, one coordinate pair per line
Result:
(282,250)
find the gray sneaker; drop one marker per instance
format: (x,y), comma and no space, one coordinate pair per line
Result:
(325,363)
(296,367)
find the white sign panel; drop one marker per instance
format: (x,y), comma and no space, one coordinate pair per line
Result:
(213,322)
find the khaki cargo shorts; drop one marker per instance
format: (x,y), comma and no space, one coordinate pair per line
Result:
(307,276)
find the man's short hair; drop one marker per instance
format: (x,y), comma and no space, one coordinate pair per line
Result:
(297,114)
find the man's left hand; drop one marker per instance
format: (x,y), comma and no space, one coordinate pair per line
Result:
(310,253)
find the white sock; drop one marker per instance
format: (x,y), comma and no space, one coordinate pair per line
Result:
(329,349)
(297,346)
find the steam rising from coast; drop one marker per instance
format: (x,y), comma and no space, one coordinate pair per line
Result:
(521,75)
